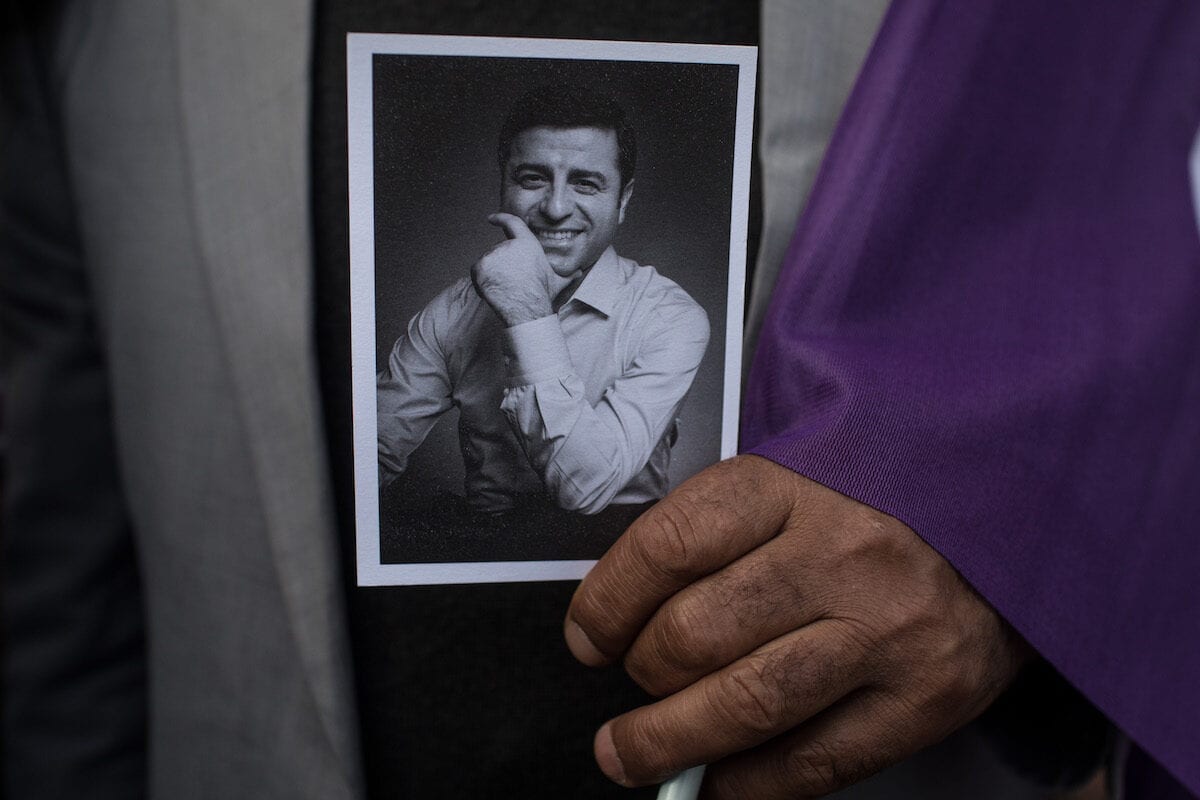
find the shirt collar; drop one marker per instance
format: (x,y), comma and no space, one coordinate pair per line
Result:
(602,284)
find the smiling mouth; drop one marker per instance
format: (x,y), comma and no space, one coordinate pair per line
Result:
(556,236)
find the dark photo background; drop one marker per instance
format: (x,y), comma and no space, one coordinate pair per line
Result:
(436,120)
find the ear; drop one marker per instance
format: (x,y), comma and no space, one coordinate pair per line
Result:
(626,193)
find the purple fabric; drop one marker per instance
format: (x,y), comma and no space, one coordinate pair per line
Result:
(988,326)
(1146,780)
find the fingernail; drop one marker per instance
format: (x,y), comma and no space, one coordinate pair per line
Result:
(606,755)
(581,646)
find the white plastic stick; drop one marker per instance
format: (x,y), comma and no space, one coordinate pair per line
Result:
(684,786)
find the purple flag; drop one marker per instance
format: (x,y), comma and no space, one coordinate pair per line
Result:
(988,326)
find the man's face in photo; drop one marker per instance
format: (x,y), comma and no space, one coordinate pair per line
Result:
(565,184)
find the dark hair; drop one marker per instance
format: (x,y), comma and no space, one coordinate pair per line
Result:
(559,106)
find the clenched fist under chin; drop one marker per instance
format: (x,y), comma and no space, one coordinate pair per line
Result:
(514,277)
(799,640)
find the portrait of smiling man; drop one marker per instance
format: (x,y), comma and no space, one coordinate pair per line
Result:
(567,362)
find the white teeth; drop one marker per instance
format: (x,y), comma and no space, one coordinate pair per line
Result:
(557,236)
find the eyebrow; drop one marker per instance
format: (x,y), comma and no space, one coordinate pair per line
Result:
(598,177)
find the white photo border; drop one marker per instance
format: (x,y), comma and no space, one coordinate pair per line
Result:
(360,50)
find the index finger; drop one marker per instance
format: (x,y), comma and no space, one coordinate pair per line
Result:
(514,227)
(711,520)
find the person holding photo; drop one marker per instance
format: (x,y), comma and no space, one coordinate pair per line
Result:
(972,414)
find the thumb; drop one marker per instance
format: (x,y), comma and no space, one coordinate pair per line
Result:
(514,227)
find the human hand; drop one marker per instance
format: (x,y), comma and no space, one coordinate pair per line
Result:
(800,641)
(514,277)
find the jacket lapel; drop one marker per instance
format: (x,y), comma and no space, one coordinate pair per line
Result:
(245,75)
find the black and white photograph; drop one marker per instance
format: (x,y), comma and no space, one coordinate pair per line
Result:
(547,279)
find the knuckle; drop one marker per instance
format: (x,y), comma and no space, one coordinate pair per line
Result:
(770,591)
(938,699)
(870,538)
(949,693)
(820,767)
(675,649)
(668,539)
(854,647)
(750,696)
(815,769)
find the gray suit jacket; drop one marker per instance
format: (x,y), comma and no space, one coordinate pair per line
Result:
(184,153)
(185,130)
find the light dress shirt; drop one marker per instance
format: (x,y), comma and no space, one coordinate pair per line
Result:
(580,404)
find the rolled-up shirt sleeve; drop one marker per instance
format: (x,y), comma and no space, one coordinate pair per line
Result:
(587,453)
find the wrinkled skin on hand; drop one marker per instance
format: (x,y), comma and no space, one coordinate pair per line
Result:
(799,640)
(514,277)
